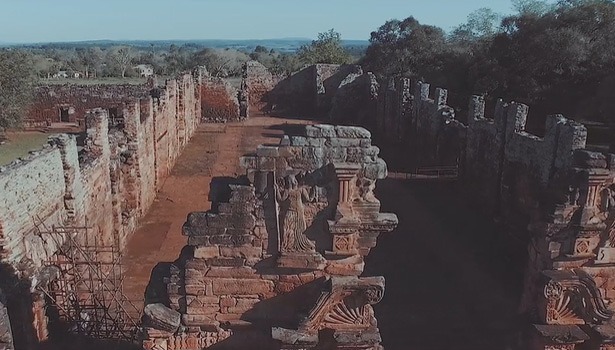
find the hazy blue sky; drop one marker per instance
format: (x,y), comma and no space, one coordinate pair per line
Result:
(70,20)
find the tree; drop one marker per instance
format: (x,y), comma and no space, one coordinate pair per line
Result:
(405,48)
(532,7)
(326,49)
(220,63)
(90,59)
(483,23)
(122,57)
(16,86)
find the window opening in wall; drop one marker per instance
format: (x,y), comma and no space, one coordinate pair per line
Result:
(64,118)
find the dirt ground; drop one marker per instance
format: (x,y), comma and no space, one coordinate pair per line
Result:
(213,151)
(453,281)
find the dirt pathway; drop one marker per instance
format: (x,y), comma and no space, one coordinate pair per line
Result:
(213,151)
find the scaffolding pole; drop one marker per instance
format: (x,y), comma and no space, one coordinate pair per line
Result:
(88,294)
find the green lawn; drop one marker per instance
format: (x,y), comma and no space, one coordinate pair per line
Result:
(20,143)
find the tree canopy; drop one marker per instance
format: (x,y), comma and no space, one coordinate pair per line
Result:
(326,49)
(553,57)
(16,86)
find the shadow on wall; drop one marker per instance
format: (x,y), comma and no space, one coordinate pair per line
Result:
(308,93)
(19,302)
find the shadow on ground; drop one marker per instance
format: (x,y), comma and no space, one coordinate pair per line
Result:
(453,278)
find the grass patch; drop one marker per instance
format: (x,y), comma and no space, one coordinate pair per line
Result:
(20,143)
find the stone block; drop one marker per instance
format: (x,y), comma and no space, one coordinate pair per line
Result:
(355,155)
(313,157)
(199,240)
(228,301)
(266,163)
(234,272)
(290,151)
(199,309)
(241,221)
(377,170)
(247,162)
(588,159)
(300,141)
(334,155)
(228,317)
(188,230)
(284,287)
(197,218)
(320,130)
(241,252)
(352,132)
(206,252)
(161,317)
(199,320)
(229,286)
(208,299)
(343,142)
(243,305)
(267,151)
(226,262)
(231,240)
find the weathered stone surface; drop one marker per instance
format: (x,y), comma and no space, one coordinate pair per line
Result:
(228,286)
(161,317)
(352,132)
(206,252)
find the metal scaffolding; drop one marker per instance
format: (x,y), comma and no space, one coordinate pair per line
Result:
(88,294)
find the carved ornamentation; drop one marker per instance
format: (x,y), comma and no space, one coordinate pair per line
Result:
(293,221)
(560,347)
(553,290)
(560,310)
(343,243)
(345,306)
(573,298)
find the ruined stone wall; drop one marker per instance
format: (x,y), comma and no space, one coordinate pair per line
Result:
(308,92)
(77,99)
(256,85)
(220,101)
(106,183)
(290,238)
(32,195)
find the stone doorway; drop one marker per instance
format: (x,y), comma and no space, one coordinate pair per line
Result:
(64,115)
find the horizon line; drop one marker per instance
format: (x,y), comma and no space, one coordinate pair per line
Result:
(159,40)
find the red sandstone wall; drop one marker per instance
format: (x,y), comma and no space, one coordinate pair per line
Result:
(78,99)
(219,100)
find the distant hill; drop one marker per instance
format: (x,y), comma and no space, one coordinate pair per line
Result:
(281,44)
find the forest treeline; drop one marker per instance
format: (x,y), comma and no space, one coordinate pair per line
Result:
(557,57)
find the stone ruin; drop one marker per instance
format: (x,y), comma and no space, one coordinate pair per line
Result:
(276,263)
(552,189)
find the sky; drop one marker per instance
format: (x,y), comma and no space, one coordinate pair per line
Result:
(27,21)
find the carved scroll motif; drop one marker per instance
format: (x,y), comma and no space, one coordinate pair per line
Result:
(573,298)
(343,309)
